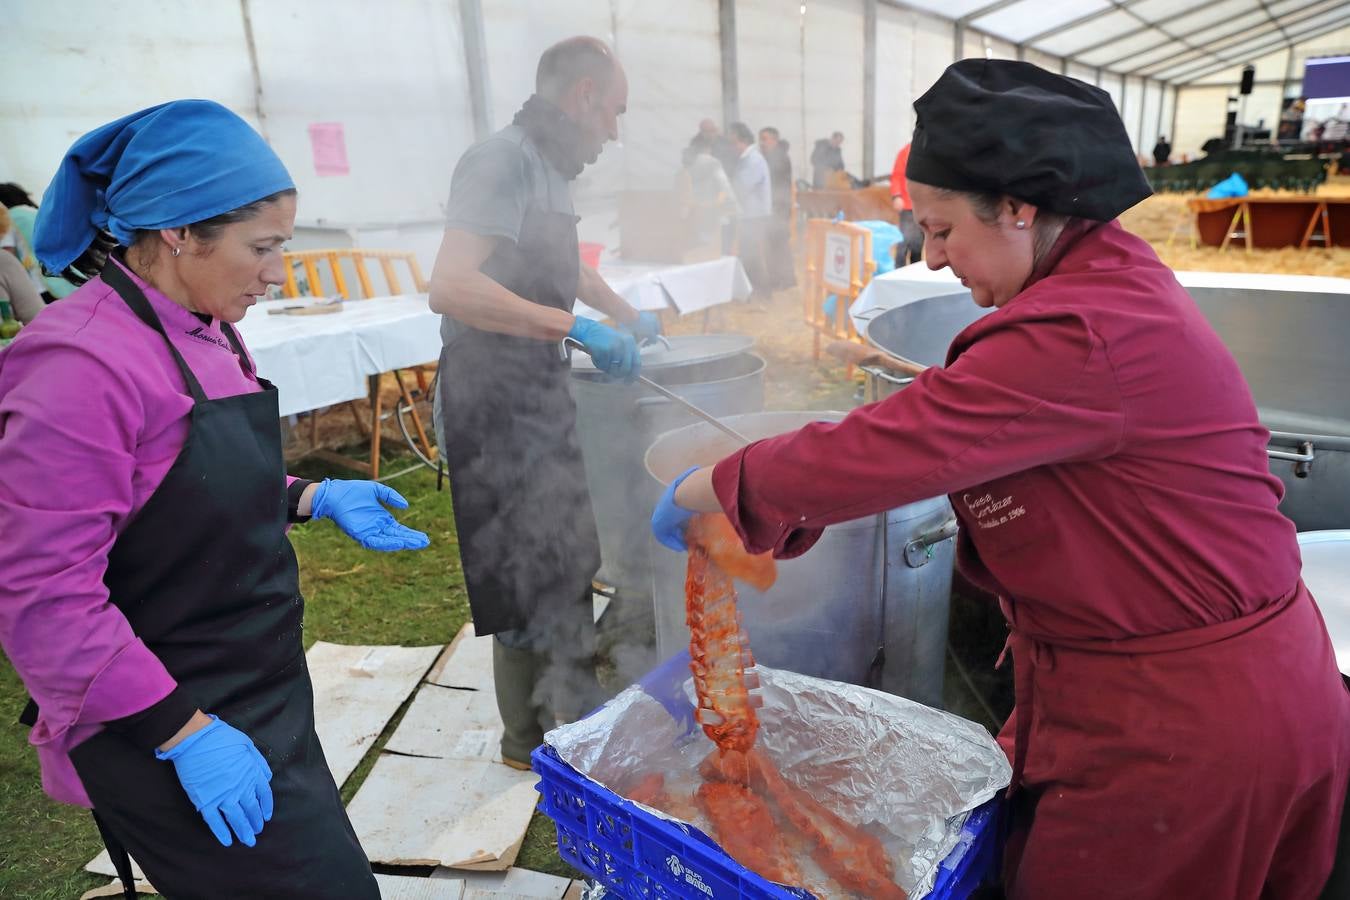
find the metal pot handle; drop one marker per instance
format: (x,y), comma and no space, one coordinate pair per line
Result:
(886,376)
(1302,460)
(920,550)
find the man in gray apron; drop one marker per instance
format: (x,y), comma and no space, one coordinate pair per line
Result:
(506,278)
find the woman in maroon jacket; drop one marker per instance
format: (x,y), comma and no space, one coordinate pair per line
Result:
(1181,730)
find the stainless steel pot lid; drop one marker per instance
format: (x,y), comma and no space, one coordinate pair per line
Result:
(921,331)
(1326,571)
(683,350)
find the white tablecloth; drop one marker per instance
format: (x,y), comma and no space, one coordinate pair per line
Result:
(687,288)
(917,282)
(318,361)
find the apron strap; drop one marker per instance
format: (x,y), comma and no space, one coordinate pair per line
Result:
(134,297)
(121,860)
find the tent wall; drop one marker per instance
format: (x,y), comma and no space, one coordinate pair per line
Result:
(1148,135)
(397,86)
(1169,105)
(1130,109)
(895,85)
(673,60)
(834,76)
(979,45)
(913,49)
(769,57)
(75,53)
(397,81)
(1200,114)
(1044,60)
(932,51)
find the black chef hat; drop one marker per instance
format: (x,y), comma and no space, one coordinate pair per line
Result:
(1012,128)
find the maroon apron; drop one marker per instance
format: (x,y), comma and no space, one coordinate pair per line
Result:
(1153,767)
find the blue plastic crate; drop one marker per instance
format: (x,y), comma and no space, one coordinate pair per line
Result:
(639,856)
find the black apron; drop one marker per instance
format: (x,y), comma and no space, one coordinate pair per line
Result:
(527,537)
(207,578)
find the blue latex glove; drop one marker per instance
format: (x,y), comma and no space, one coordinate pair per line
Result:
(669,518)
(647,326)
(357,508)
(614,352)
(226,778)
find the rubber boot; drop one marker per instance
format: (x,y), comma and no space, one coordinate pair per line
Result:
(575,689)
(515,674)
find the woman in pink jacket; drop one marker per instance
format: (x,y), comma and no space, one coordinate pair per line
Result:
(152,605)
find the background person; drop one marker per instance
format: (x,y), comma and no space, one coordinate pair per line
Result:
(827,163)
(778,237)
(754,198)
(911,250)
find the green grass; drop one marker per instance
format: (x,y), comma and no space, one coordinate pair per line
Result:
(353,596)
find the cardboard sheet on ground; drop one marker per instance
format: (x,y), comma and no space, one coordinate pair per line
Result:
(511,883)
(114,889)
(460,813)
(404,887)
(357,690)
(466,663)
(449,723)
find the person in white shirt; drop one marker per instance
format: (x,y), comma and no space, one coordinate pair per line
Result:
(754,194)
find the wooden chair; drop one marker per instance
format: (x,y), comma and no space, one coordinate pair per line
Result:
(312,262)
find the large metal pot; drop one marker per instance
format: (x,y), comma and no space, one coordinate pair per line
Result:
(617,422)
(1290,346)
(867,604)
(919,331)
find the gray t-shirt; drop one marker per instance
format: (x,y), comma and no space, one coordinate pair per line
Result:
(497,183)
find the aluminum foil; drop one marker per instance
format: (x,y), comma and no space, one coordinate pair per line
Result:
(906,772)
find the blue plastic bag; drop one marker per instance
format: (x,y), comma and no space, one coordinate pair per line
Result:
(885,236)
(1232,186)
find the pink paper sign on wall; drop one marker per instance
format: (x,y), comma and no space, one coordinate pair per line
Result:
(329,143)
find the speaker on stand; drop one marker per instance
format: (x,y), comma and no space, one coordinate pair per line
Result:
(1244,91)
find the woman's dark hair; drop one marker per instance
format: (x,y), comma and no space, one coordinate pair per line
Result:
(12,195)
(91,262)
(1044,231)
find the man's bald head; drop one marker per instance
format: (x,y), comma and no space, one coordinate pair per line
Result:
(570,61)
(582,78)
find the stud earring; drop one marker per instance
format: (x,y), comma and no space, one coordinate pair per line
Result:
(1021,224)
(177,250)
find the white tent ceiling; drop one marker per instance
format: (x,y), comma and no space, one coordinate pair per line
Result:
(1175,41)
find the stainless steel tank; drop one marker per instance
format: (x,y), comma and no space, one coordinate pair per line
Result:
(617,422)
(1290,345)
(868,604)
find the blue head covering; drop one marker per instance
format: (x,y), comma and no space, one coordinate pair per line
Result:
(163,167)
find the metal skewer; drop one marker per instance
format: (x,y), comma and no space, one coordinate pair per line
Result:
(702,414)
(672,396)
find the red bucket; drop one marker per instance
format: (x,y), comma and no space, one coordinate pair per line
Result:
(590,253)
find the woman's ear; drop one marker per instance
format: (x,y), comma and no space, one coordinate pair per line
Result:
(1020,211)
